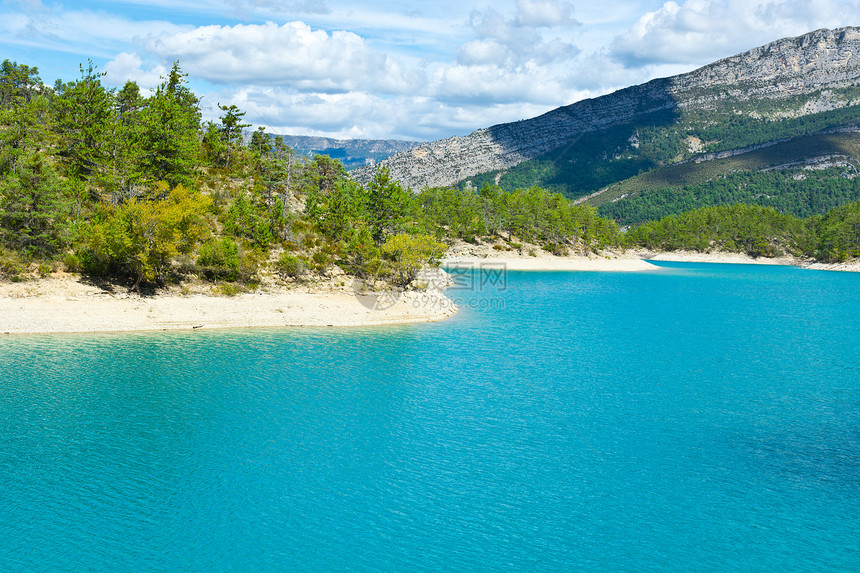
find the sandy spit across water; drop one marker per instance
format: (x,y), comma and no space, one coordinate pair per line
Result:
(67,304)
(531,258)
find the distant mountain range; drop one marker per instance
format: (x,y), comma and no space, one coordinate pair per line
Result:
(351,152)
(789,89)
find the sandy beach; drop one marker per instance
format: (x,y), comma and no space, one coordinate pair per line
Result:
(67,304)
(531,258)
(738,258)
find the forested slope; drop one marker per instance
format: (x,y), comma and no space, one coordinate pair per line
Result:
(135,189)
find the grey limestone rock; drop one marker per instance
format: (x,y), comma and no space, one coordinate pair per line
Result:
(809,64)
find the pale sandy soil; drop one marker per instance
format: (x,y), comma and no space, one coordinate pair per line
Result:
(848,266)
(531,258)
(694,257)
(736,258)
(67,304)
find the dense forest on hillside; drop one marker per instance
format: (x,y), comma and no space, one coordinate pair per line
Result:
(116,184)
(800,192)
(135,188)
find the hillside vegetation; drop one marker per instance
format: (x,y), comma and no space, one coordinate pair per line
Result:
(655,144)
(137,190)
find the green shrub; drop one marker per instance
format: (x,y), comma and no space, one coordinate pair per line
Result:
(219,259)
(72,263)
(250,219)
(45,268)
(321,260)
(407,255)
(230,289)
(11,265)
(250,261)
(360,254)
(557,249)
(291,266)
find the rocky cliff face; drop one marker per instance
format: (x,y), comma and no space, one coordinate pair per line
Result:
(810,65)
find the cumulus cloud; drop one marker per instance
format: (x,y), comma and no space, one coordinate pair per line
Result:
(126,66)
(374,69)
(544,13)
(513,57)
(699,31)
(362,115)
(493,84)
(291,54)
(521,38)
(296,78)
(482,52)
(84,33)
(509,60)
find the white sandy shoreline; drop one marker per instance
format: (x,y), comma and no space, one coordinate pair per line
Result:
(55,305)
(623,261)
(65,304)
(553,264)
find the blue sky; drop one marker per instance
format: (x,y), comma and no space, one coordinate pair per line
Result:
(397,69)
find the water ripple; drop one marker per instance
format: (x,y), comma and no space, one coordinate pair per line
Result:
(702,417)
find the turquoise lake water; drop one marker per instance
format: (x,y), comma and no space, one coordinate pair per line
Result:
(700,417)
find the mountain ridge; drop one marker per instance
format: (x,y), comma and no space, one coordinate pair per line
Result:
(351,153)
(790,78)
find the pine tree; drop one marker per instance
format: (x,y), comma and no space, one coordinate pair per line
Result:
(124,148)
(34,208)
(170,126)
(82,114)
(387,203)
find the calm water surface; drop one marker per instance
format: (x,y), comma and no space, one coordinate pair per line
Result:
(700,417)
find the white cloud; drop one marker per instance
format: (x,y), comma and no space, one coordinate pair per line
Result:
(493,84)
(395,68)
(288,55)
(700,31)
(482,52)
(544,13)
(513,58)
(362,115)
(505,65)
(333,82)
(126,66)
(522,35)
(86,34)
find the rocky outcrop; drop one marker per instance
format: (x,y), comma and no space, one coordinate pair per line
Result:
(820,59)
(813,63)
